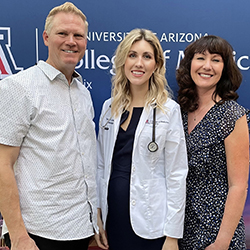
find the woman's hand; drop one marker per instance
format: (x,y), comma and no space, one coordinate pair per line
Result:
(170,244)
(101,238)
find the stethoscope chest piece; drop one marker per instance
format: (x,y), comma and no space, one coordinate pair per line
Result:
(152,146)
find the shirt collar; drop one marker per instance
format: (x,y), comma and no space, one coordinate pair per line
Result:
(52,72)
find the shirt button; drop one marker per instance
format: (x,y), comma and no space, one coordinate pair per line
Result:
(133,202)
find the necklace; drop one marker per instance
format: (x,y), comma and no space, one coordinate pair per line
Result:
(195,115)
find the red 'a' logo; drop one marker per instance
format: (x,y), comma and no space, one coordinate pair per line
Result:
(2,68)
(7,62)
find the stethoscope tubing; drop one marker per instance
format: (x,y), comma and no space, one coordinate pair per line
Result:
(152,146)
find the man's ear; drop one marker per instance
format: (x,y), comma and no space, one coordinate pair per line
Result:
(45,37)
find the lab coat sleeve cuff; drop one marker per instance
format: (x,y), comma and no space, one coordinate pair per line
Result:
(173,231)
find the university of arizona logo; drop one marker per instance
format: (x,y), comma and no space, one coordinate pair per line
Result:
(7,62)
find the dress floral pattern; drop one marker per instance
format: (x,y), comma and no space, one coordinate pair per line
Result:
(207,183)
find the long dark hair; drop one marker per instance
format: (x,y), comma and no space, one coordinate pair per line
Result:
(230,79)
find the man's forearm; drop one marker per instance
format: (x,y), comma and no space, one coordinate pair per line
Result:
(9,203)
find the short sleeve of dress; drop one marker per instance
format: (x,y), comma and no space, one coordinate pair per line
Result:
(248,118)
(230,112)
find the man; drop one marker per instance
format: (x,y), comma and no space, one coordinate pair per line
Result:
(47,144)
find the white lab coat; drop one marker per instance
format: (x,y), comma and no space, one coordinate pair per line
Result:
(158,179)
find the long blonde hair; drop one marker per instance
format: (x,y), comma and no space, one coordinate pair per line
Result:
(159,90)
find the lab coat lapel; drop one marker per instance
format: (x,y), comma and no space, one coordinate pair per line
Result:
(116,126)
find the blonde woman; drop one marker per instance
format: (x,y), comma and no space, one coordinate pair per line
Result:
(142,163)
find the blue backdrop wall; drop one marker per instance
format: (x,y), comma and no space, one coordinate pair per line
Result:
(176,23)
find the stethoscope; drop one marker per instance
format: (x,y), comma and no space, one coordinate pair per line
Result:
(152,146)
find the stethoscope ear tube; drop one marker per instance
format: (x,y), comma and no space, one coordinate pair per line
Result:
(152,146)
(154,117)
